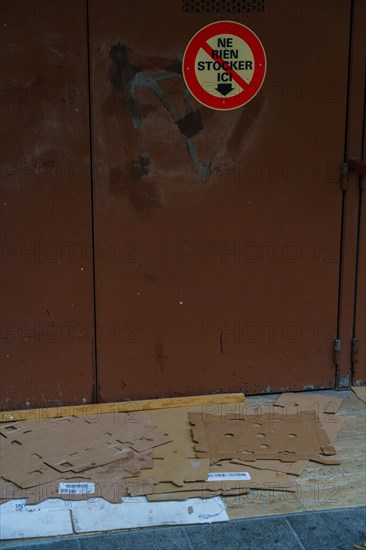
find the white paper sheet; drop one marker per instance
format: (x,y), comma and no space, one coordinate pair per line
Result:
(42,523)
(147,514)
(53,517)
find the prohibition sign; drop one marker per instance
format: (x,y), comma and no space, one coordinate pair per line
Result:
(224,65)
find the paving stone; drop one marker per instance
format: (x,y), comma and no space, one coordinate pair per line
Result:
(250,534)
(159,538)
(335,529)
(62,543)
(329,529)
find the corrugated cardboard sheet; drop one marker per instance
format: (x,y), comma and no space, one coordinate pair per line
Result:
(267,436)
(110,453)
(168,454)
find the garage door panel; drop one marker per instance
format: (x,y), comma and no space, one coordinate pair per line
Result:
(47,253)
(227,266)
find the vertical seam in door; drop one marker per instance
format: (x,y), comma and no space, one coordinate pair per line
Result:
(363,136)
(344,192)
(357,261)
(96,389)
(345,156)
(358,237)
(340,274)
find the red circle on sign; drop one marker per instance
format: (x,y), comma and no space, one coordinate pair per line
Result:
(199,41)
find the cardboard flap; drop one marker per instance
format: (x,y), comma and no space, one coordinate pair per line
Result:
(178,470)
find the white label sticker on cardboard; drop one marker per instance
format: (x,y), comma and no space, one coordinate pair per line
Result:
(76,488)
(228,476)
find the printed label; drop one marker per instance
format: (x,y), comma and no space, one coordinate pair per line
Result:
(228,476)
(76,488)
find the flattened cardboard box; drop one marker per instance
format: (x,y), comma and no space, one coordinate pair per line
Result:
(36,453)
(77,434)
(331,423)
(178,470)
(110,481)
(291,468)
(57,429)
(176,423)
(185,495)
(259,479)
(112,490)
(287,438)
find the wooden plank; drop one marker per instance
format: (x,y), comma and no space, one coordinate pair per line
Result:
(122,406)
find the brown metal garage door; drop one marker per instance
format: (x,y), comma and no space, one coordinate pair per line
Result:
(152,246)
(219,232)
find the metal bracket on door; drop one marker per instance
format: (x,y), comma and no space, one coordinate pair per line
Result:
(357,166)
(354,352)
(337,358)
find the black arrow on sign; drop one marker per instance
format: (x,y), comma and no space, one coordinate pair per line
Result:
(224,89)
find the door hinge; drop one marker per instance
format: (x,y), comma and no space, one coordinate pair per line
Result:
(337,358)
(354,352)
(337,351)
(357,166)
